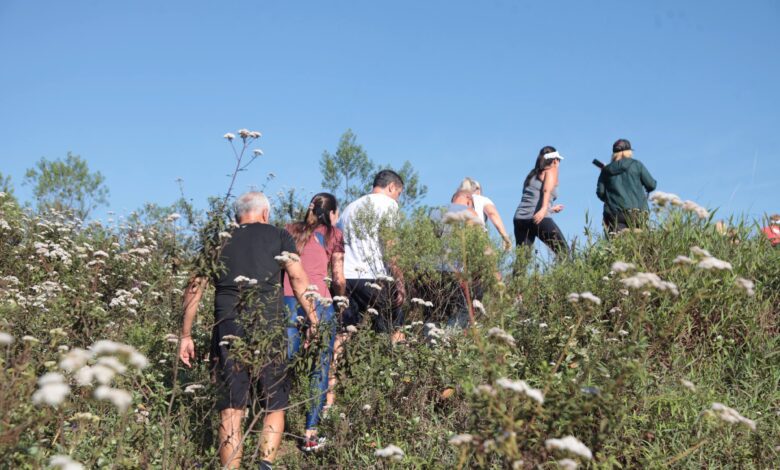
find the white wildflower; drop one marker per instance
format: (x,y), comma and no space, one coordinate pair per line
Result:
(683,260)
(385,278)
(688,384)
(373,312)
(373,285)
(640,280)
(224,343)
(243,280)
(730,415)
(589,296)
(700,252)
(231,338)
(243,133)
(6,339)
(700,212)
(351,329)
(171,338)
(501,335)
(255,134)
(64,462)
(570,444)
(486,389)
(100,254)
(746,284)
(711,262)
(623,332)
(366,407)
(391,452)
(257,152)
(543,325)
(567,464)
(461,439)
(224,235)
(621,267)
(661,199)
(173,217)
(520,386)
(52,389)
(229,136)
(192,388)
(573,298)
(30,339)
(113,363)
(120,398)
(478,306)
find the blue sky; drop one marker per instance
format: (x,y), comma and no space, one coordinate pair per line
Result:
(145,90)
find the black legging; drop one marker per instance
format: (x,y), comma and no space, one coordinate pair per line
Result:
(526,232)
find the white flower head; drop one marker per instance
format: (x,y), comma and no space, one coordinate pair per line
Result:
(121,399)
(224,235)
(521,387)
(590,297)
(746,284)
(478,306)
(501,335)
(569,444)
(568,464)
(6,339)
(374,285)
(573,298)
(681,259)
(30,339)
(391,452)
(229,136)
(351,329)
(172,338)
(732,416)
(688,384)
(52,389)
(173,217)
(461,439)
(621,267)
(711,262)
(373,312)
(243,133)
(366,407)
(700,252)
(192,388)
(64,462)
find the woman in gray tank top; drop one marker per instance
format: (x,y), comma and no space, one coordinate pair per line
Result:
(532,217)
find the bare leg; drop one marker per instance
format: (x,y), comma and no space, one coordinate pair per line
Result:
(230,436)
(338,347)
(271,439)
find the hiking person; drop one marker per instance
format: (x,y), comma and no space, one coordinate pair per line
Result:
(623,185)
(532,217)
(321,247)
(370,284)
(486,209)
(249,258)
(772,231)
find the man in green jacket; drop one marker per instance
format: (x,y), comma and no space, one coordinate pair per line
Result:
(623,186)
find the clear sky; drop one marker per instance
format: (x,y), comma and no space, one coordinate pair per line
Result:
(144,91)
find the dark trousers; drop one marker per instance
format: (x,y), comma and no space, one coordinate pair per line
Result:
(526,232)
(623,220)
(387,318)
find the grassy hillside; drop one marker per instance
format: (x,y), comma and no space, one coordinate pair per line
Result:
(658,362)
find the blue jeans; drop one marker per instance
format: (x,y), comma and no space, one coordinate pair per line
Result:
(319,376)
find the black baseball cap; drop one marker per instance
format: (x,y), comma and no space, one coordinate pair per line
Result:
(621,145)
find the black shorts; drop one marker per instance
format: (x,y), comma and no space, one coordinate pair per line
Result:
(237,382)
(362,298)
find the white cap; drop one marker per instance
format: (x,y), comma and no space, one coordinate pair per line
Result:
(551,155)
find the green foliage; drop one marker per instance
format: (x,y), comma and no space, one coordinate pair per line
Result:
(5,184)
(610,372)
(67,185)
(349,173)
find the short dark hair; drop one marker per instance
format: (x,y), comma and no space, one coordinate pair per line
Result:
(385,177)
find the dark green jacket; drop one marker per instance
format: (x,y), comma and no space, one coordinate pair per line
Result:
(623,185)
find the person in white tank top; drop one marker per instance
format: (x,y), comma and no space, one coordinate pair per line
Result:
(486,209)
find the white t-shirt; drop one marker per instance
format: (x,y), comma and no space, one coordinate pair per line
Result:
(480,202)
(360,221)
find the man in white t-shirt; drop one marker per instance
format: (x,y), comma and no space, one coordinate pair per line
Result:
(372,285)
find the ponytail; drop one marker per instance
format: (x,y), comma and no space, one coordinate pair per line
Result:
(317,214)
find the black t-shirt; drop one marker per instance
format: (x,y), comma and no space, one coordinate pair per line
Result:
(250,252)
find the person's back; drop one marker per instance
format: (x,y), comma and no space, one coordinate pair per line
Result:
(251,252)
(360,222)
(623,186)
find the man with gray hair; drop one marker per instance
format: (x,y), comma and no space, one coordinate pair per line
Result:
(248,305)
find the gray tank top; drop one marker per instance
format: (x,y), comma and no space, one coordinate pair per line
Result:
(532,200)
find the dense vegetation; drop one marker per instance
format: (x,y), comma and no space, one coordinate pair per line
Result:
(654,349)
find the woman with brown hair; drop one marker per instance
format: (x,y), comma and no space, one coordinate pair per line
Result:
(321,247)
(532,217)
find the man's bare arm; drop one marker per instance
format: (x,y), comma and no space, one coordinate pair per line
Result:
(339,281)
(192,296)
